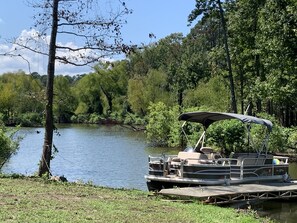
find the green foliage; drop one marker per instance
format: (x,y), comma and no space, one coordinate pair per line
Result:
(19,94)
(212,94)
(135,96)
(231,136)
(29,119)
(279,137)
(8,144)
(112,81)
(64,100)
(88,92)
(182,71)
(152,88)
(292,138)
(227,135)
(131,118)
(163,128)
(80,118)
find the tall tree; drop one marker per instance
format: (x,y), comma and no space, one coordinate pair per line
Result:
(209,8)
(243,26)
(98,35)
(113,81)
(278,46)
(88,93)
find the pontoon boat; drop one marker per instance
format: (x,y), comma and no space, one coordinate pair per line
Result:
(203,166)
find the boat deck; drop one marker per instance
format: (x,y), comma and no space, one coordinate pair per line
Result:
(236,193)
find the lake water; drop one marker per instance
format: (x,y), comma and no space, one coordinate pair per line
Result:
(111,156)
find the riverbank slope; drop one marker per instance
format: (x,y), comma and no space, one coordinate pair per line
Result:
(25,199)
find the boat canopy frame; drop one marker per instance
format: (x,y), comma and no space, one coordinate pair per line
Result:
(207,118)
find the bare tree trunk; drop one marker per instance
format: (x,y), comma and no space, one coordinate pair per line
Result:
(232,88)
(44,167)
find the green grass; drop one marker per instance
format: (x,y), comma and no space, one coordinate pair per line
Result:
(37,200)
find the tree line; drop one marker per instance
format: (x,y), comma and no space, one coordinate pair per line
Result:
(188,71)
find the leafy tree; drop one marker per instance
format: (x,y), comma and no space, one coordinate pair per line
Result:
(263,42)
(7,100)
(212,94)
(210,8)
(228,136)
(113,82)
(135,95)
(164,56)
(88,93)
(171,50)
(278,47)
(163,125)
(64,102)
(243,23)
(20,94)
(155,85)
(152,88)
(8,144)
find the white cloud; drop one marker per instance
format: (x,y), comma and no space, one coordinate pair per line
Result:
(29,61)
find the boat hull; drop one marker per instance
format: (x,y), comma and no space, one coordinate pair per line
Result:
(157,183)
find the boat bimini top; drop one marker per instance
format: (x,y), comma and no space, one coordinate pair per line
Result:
(207,118)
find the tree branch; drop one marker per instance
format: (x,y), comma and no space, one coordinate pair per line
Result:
(30,49)
(17,55)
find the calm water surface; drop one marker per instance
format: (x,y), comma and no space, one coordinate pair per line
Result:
(110,156)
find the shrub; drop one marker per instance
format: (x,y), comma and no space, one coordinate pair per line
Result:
(80,118)
(163,127)
(8,144)
(231,136)
(133,119)
(227,135)
(30,119)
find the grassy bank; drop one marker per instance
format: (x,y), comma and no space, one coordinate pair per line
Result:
(37,200)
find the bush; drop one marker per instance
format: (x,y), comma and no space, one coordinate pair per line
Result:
(227,135)
(133,119)
(280,138)
(8,145)
(163,128)
(29,119)
(231,136)
(80,118)
(94,118)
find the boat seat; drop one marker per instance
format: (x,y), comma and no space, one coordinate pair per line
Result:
(253,159)
(193,158)
(206,150)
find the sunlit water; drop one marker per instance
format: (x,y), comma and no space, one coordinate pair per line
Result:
(111,156)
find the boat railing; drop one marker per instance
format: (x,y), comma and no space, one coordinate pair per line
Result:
(243,165)
(226,161)
(262,164)
(160,158)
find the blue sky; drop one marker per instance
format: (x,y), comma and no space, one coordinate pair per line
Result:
(161,17)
